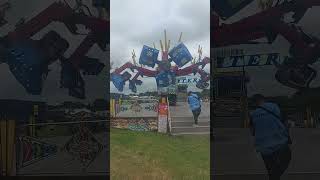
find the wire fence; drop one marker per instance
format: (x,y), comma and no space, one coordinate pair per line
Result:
(66,148)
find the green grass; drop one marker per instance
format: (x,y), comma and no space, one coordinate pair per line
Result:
(149,155)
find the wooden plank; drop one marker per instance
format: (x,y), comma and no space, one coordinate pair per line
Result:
(11,164)
(7,147)
(3,147)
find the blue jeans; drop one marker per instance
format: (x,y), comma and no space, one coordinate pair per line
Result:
(196,114)
(277,162)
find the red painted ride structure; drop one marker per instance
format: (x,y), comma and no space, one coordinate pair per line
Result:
(269,23)
(62,12)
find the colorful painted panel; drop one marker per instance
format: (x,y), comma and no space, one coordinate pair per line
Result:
(135,124)
(137,108)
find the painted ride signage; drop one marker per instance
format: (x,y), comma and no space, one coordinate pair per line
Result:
(163,117)
(187,80)
(249,60)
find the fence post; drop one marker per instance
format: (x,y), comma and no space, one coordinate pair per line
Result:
(112,108)
(7,148)
(3,144)
(32,120)
(11,147)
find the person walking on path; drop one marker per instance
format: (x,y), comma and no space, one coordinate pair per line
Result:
(195,106)
(272,138)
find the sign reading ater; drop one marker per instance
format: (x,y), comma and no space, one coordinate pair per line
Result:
(250,60)
(187,80)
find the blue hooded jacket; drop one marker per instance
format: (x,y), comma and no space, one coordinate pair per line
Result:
(194,101)
(270,133)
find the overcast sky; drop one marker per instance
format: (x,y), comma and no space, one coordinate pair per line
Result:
(96,87)
(262,78)
(135,23)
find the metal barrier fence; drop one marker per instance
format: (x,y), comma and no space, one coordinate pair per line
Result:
(296,118)
(316,118)
(57,148)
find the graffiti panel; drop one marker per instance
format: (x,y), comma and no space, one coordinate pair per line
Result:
(135,124)
(137,108)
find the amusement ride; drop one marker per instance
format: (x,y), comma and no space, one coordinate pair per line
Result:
(174,62)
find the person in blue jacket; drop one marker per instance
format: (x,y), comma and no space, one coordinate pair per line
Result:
(272,137)
(195,106)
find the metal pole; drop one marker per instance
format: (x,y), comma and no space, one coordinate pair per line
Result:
(244,103)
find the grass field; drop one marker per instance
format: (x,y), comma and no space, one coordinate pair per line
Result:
(149,155)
